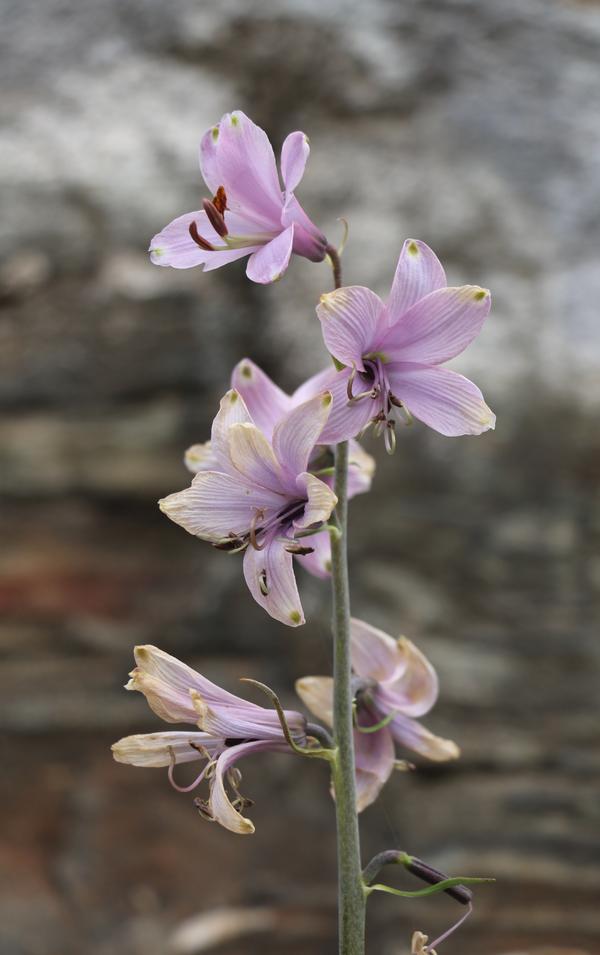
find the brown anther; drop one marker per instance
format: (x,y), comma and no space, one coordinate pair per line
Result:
(299,550)
(262,583)
(202,807)
(193,230)
(220,200)
(215,217)
(394,401)
(258,516)
(350,383)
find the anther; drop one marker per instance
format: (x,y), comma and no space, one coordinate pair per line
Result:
(193,230)
(262,583)
(215,217)
(259,515)
(351,382)
(220,200)
(390,436)
(432,876)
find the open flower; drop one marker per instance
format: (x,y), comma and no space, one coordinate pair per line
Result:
(393,683)
(268,405)
(260,498)
(229,728)
(393,352)
(249,213)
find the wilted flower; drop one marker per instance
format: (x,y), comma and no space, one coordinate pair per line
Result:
(392,353)
(229,728)
(393,683)
(268,405)
(260,498)
(249,213)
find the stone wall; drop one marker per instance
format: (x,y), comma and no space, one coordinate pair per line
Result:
(472,124)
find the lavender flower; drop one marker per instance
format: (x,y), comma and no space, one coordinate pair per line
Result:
(394,682)
(260,498)
(393,352)
(249,213)
(268,405)
(229,728)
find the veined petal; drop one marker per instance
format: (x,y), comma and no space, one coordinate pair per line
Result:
(174,245)
(268,263)
(415,691)
(346,418)
(319,562)
(321,500)
(296,435)
(201,457)
(442,399)
(375,655)
(252,455)
(375,757)
(219,804)
(232,410)
(294,156)
(411,734)
(361,469)
(437,327)
(220,257)
(245,721)
(419,272)
(309,241)
(218,505)
(352,320)
(167,684)
(237,154)
(269,574)
(316,692)
(155,749)
(315,385)
(265,401)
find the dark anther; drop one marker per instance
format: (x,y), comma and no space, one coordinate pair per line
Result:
(233,543)
(395,401)
(237,742)
(220,200)
(262,583)
(215,217)
(299,550)
(202,807)
(193,230)
(258,516)
(432,876)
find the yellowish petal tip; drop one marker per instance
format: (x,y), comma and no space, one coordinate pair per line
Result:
(480,294)
(246,371)
(233,396)
(296,617)
(215,133)
(413,248)
(327,399)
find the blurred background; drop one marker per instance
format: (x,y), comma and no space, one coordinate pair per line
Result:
(471,124)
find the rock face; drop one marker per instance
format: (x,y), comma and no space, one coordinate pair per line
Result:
(470,124)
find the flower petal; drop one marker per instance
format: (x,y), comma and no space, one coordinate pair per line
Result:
(154,749)
(200,457)
(218,505)
(352,320)
(316,692)
(321,501)
(415,691)
(319,562)
(273,568)
(219,804)
(419,272)
(237,154)
(177,679)
(265,401)
(174,245)
(232,410)
(309,241)
(346,419)
(294,156)
(361,469)
(442,399)
(220,257)
(252,455)
(375,758)
(296,435)
(438,327)
(375,655)
(414,736)
(315,385)
(270,261)
(245,720)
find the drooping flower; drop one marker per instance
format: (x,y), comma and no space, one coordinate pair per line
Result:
(268,405)
(393,352)
(229,728)
(249,213)
(393,683)
(260,498)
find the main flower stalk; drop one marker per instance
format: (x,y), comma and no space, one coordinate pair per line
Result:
(351,894)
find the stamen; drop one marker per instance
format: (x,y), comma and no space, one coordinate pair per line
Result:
(259,515)
(351,382)
(202,807)
(215,217)
(390,436)
(298,550)
(220,200)
(183,789)
(452,928)
(262,583)
(193,230)
(232,544)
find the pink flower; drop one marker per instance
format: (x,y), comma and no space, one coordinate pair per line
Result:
(260,498)
(229,728)
(249,214)
(393,352)
(268,405)
(395,682)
